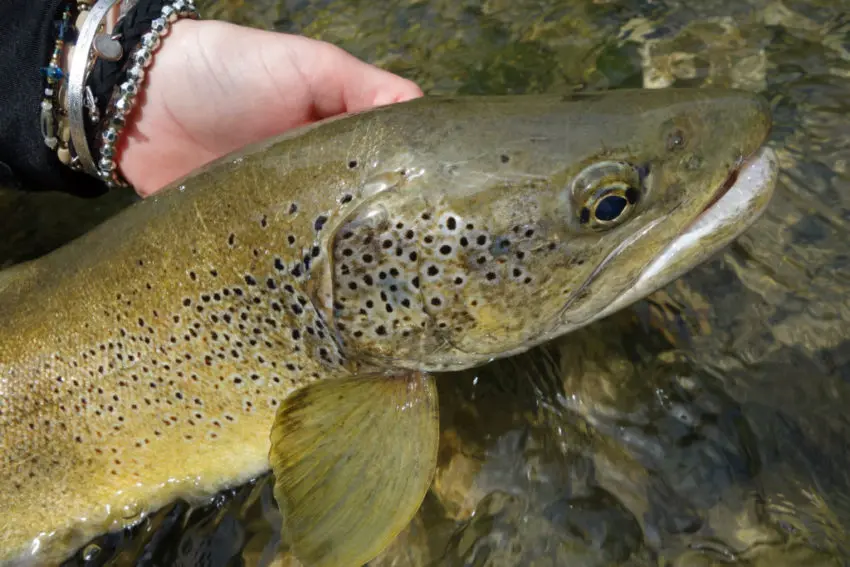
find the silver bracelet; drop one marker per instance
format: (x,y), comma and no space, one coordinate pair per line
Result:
(124,98)
(78,95)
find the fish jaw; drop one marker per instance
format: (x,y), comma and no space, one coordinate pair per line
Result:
(735,208)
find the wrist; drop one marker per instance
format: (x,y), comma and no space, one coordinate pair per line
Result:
(98,77)
(143,32)
(157,131)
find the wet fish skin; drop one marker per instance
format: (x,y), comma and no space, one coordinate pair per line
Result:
(146,360)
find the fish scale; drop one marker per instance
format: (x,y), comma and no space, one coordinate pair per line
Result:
(282,307)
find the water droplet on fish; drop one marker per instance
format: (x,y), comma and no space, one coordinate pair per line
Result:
(131,511)
(90,552)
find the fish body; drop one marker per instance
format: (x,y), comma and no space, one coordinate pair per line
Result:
(149,359)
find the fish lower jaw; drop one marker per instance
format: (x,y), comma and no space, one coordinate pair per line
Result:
(737,205)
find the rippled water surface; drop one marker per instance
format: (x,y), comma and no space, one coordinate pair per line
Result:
(706,425)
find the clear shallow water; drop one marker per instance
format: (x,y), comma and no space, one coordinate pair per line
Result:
(708,424)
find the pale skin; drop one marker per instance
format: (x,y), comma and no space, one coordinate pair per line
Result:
(214,87)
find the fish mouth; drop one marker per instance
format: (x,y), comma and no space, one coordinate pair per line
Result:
(728,184)
(735,206)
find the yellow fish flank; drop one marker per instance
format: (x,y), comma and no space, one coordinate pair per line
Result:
(282,307)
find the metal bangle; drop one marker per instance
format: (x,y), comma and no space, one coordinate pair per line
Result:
(124,97)
(79,68)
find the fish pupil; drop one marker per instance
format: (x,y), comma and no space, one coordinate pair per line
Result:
(610,207)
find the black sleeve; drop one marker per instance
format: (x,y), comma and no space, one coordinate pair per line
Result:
(27,35)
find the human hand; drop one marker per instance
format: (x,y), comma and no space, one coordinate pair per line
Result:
(214,87)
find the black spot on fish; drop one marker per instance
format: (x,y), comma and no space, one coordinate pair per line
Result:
(320,222)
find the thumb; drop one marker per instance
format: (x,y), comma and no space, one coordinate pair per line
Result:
(339,82)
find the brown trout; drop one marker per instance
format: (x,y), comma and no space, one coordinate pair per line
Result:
(282,307)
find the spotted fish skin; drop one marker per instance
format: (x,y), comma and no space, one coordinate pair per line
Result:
(145,361)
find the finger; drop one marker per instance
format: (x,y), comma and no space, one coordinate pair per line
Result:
(339,82)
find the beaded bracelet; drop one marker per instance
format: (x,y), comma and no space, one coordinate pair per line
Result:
(53,75)
(124,97)
(55,117)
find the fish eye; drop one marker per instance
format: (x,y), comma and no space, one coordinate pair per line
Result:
(608,205)
(606,193)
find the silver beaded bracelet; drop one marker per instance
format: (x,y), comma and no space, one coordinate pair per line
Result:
(94,42)
(125,97)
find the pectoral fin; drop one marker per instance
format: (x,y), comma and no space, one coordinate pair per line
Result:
(352,460)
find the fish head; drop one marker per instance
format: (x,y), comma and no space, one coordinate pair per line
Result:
(514,220)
